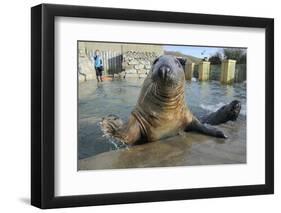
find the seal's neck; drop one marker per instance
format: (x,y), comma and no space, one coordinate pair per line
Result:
(169,98)
(171,92)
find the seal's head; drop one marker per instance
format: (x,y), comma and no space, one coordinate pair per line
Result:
(167,72)
(234,110)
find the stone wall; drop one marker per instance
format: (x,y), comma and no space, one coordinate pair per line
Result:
(137,64)
(150,48)
(119,59)
(89,47)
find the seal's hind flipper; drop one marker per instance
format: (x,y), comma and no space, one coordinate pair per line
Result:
(197,126)
(110,125)
(228,112)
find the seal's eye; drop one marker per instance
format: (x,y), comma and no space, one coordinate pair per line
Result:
(178,63)
(154,62)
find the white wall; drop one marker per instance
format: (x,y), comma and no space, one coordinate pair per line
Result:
(15,105)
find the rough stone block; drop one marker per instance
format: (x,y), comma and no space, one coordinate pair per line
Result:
(139,66)
(131,71)
(142,71)
(148,66)
(131,75)
(142,75)
(122,74)
(133,62)
(115,75)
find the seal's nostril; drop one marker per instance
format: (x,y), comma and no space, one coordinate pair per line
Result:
(168,69)
(165,69)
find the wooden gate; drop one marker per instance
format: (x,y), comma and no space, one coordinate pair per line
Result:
(112,62)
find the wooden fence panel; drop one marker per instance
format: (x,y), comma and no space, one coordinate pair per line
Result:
(112,62)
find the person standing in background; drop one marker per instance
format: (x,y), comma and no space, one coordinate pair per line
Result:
(98,65)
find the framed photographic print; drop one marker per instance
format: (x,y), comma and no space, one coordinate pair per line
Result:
(139,106)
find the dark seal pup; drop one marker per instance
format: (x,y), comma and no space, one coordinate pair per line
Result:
(226,113)
(161,110)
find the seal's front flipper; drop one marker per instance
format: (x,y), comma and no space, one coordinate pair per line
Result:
(128,133)
(110,124)
(197,126)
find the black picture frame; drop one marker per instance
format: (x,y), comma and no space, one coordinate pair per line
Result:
(43,105)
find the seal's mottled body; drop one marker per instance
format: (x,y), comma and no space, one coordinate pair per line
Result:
(161,110)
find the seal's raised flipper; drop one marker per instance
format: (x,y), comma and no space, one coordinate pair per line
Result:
(228,112)
(110,124)
(127,133)
(197,126)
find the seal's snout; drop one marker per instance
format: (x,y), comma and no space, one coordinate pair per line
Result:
(163,71)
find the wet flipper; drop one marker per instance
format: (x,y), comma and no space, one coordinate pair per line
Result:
(113,126)
(228,112)
(110,125)
(197,126)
